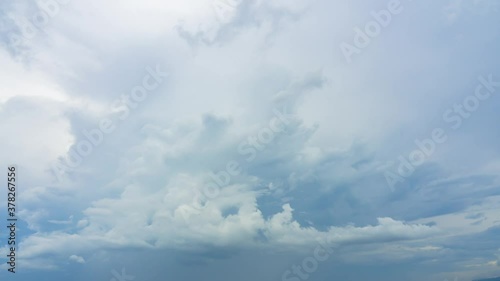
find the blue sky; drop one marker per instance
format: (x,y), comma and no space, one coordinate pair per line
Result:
(242,140)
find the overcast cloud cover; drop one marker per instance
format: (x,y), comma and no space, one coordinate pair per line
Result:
(219,76)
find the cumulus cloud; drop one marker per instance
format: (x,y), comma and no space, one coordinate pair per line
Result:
(77,259)
(317,176)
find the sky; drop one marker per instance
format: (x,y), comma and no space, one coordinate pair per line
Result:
(250,139)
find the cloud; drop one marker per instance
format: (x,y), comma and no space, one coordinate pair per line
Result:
(139,194)
(77,259)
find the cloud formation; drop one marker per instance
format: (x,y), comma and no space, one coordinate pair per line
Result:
(260,107)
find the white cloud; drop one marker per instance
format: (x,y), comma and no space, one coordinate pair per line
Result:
(77,259)
(138,189)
